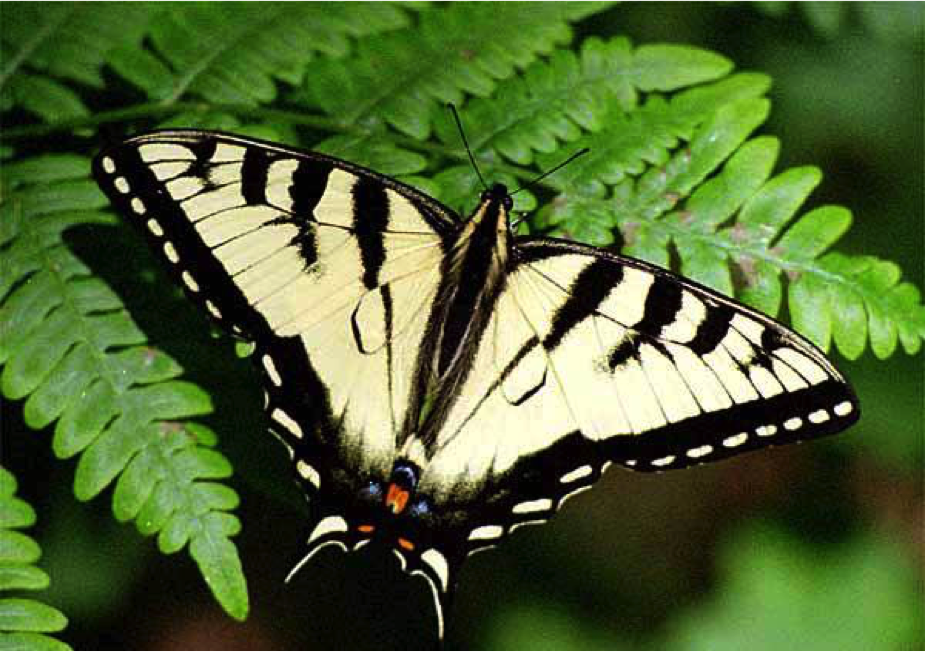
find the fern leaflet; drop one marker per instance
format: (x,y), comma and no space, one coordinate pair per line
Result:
(622,137)
(558,99)
(24,623)
(237,56)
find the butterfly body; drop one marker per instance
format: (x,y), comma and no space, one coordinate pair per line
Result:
(439,381)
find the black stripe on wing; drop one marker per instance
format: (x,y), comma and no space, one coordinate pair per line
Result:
(590,288)
(712,330)
(254,173)
(370,220)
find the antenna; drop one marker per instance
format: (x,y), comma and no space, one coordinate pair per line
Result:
(466,143)
(561,165)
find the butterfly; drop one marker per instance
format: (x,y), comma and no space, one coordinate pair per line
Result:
(440,381)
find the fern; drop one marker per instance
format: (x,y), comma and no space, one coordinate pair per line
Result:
(24,623)
(557,99)
(592,103)
(71,348)
(43,46)
(238,62)
(674,173)
(234,54)
(465,48)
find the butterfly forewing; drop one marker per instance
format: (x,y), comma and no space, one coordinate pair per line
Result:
(327,266)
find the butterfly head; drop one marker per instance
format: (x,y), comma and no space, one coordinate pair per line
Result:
(499,193)
(489,225)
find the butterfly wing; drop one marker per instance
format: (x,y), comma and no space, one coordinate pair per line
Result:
(326,266)
(591,358)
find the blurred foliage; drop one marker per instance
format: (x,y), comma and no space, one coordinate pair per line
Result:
(809,547)
(779,593)
(902,23)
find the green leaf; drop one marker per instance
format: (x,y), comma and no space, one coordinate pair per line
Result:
(30,641)
(44,97)
(70,348)
(742,224)
(17,614)
(23,621)
(18,547)
(666,67)
(401,77)
(815,232)
(20,577)
(810,309)
(45,44)
(237,53)
(555,100)
(628,144)
(16,514)
(219,562)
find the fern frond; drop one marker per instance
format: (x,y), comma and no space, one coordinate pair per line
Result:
(24,623)
(622,140)
(557,100)
(835,297)
(398,78)
(235,53)
(69,347)
(631,142)
(43,46)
